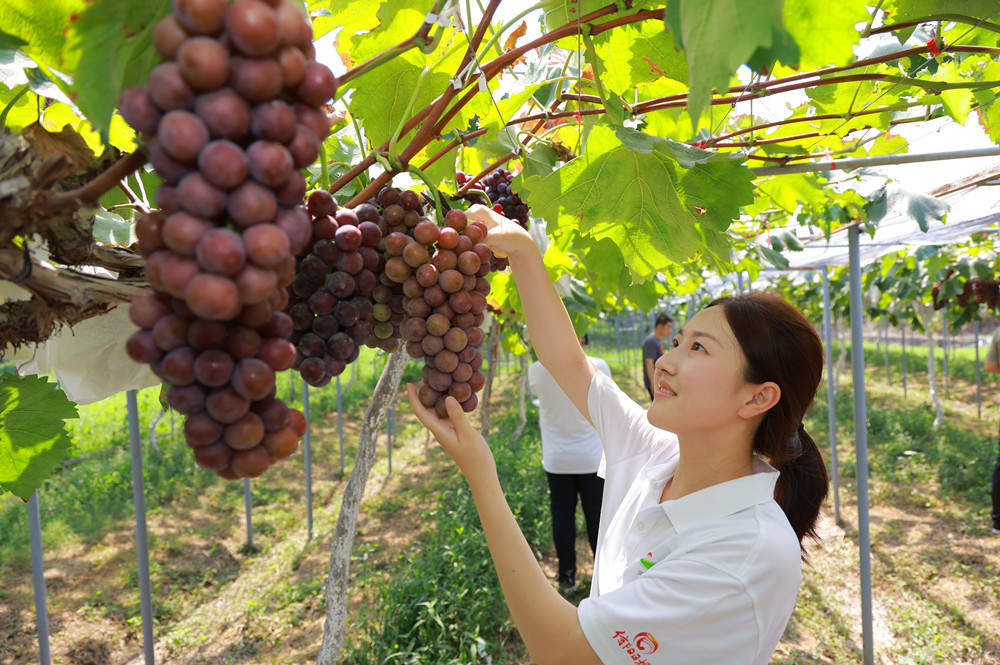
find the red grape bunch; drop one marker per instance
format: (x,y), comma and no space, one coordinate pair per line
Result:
(986,291)
(497,186)
(331,304)
(229,118)
(441,271)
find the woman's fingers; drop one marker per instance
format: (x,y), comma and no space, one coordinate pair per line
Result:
(442,430)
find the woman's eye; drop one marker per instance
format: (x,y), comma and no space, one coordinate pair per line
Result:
(695,346)
(673,344)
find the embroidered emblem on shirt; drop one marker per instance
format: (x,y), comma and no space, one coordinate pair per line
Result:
(647,563)
(637,648)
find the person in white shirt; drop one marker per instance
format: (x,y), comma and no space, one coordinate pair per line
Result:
(708,494)
(571,457)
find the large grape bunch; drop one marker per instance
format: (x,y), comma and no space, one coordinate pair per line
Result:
(229,119)
(986,291)
(332,303)
(441,271)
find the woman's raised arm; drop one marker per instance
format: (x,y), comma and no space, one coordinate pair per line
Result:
(552,335)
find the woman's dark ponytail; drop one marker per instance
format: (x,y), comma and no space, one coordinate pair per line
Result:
(780,345)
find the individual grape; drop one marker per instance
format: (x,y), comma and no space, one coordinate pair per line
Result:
(224,164)
(203,62)
(273,413)
(321,203)
(281,443)
(182,134)
(177,367)
(266,245)
(313,371)
(141,347)
(168,89)
(245,433)
(200,17)
(212,297)
(221,251)
(225,113)
(167,37)
(273,121)
(270,162)
(250,463)
(255,284)
(256,79)
(199,197)
(213,368)
(137,108)
(201,430)
(318,84)
(188,399)
(314,119)
(146,309)
(293,66)
(252,26)
(225,405)
(214,457)
(205,335)
(251,203)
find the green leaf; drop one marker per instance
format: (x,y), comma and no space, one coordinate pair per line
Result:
(824,31)
(33,433)
(111,44)
(10,41)
(41,25)
(560,12)
(632,198)
(639,53)
(742,26)
(112,229)
(923,209)
(351,16)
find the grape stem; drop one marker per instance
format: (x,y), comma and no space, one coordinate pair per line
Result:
(97,187)
(430,185)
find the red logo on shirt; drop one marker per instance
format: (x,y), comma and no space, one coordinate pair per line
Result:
(642,643)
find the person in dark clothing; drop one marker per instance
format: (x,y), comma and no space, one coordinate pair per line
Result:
(652,348)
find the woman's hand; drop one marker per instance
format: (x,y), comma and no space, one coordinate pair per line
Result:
(456,435)
(503,235)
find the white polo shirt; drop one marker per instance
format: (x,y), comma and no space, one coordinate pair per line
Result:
(709,578)
(569,443)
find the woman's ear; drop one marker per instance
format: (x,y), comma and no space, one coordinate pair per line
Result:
(765,395)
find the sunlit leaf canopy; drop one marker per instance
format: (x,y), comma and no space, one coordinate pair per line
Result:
(633,126)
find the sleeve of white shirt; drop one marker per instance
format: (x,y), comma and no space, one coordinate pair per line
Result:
(621,423)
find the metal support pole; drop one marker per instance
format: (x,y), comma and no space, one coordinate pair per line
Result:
(944,354)
(388,436)
(739,281)
(888,361)
(307,450)
(831,394)
(618,339)
(38,580)
(902,331)
(881,160)
(246,506)
(861,444)
(979,375)
(141,539)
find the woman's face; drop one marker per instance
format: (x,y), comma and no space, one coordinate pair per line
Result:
(698,382)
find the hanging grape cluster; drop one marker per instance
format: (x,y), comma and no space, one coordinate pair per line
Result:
(383,273)
(340,297)
(229,118)
(983,291)
(497,186)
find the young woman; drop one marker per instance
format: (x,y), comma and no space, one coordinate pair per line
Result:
(707,497)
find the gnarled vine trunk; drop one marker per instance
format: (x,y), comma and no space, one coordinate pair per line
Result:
(350,505)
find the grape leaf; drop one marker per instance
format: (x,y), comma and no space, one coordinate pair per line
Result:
(742,26)
(33,433)
(649,54)
(41,25)
(351,16)
(635,198)
(111,44)
(824,30)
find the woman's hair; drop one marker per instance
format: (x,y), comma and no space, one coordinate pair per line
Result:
(780,345)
